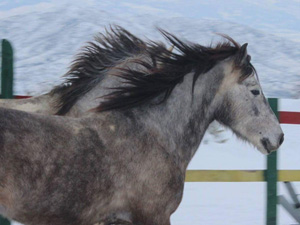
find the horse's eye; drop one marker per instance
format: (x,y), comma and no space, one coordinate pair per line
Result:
(255,92)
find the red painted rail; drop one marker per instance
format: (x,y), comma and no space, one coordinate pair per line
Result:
(21,96)
(289,117)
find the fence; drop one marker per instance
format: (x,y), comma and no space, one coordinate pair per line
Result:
(271,175)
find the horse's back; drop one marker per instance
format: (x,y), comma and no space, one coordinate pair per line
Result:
(82,169)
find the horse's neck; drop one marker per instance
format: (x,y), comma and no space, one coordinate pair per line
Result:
(181,122)
(177,125)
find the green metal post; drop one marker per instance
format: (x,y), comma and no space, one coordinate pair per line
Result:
(6,83)
(7,70)
(271,176)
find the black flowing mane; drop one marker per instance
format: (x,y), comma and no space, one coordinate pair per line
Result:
(90,65)
(158,78)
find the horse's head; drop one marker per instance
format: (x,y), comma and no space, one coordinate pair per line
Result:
(244,108)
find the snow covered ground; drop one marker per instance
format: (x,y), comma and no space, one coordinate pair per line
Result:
(47,33)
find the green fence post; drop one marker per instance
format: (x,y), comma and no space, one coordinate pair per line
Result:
(271,176)
(6,83)
(7,70)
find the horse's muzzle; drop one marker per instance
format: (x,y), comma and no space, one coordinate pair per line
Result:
(272,147)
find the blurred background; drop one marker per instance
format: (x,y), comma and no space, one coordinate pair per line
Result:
(46,34)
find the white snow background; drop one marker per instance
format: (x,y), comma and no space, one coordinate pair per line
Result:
(47,34)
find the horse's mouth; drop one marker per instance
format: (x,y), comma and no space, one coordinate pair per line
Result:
(267,145)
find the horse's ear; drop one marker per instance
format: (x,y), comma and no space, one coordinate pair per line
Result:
(242,54)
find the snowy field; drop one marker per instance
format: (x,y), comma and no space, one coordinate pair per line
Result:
(47,34)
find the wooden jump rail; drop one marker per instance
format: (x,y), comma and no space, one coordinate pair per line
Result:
(271,175)
(239,175)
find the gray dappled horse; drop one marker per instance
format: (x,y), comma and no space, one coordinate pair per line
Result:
(124,162)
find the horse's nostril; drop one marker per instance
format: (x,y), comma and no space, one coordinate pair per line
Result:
(266,143)
(281,138)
